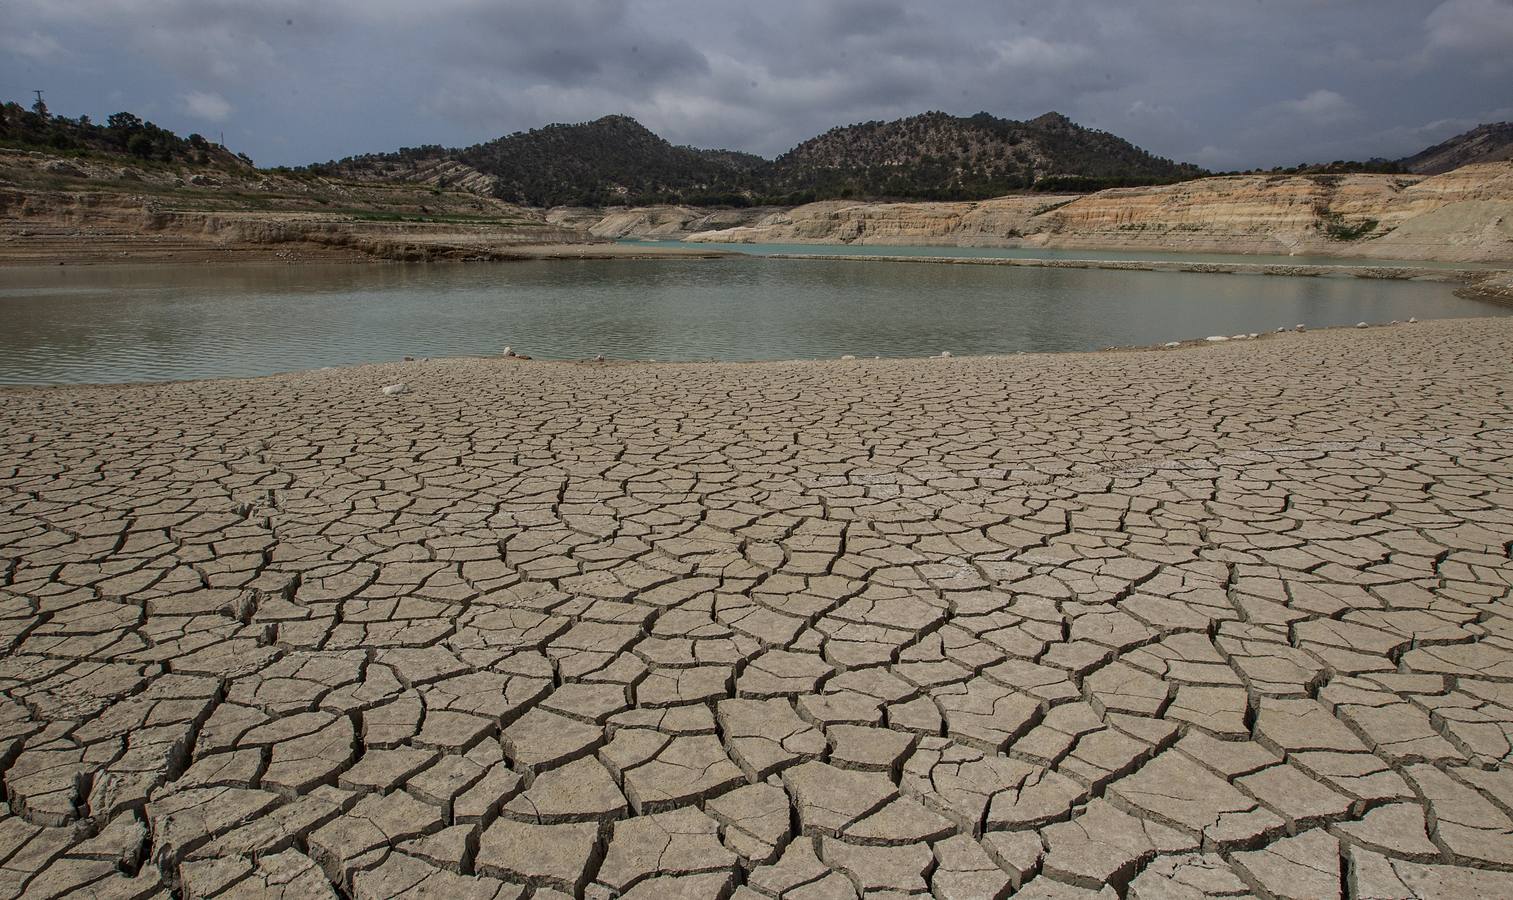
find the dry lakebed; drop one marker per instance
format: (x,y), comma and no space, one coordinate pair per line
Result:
(1207,622)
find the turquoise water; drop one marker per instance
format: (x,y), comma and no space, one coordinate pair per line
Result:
(148,323)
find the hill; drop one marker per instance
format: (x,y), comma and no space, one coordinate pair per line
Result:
(617,161)
(123,135)
(72,191)
(612,160)
(937,156)
(1484,143)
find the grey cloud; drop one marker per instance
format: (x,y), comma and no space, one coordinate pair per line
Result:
(570,43)
(1234,84)
(1475,26)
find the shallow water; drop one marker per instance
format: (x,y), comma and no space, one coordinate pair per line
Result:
(1046,253)
(150,323)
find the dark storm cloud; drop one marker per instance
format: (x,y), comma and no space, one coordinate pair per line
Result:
(570,43)
(1225,84)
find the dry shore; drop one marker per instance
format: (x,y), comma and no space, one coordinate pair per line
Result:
(1239,616)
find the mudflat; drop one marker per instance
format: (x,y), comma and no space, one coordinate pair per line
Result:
(1201,622)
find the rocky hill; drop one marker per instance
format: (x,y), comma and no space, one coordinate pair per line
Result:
(1484,143)
(617,161)
(940,156)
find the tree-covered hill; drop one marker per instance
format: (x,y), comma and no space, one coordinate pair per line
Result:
(612,160)
(123,134)
(616,160)
(940,156)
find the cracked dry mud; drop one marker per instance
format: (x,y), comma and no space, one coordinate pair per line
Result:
(1204,623)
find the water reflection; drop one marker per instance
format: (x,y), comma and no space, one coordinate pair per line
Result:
(98,324)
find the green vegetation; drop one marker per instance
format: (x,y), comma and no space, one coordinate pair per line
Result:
(1347,167)
(1337,229)
(937,156)
(616,161)
(611,161)
(123,134)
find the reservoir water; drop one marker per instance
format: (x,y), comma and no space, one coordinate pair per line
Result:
(1052,253)
(150,323)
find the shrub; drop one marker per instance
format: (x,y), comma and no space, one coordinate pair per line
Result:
(1337,229)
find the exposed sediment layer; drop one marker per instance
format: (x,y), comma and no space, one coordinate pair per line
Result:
(87,210)
(1236,617)
(78,210)
(1463,216)
(65,228)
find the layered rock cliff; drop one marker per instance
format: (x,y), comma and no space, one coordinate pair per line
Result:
(94,209)
(670,223)
(1465,215)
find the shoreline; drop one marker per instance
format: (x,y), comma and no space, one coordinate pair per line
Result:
(1398,271)
(1491,283)
(598,592)
(1488,284)
(540,364)
(320,254)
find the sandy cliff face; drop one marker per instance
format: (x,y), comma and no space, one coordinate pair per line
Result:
(1461,215)
(658,222)
(439,173)
(987,223)
(76,209)
(1464,215)
(1245,214)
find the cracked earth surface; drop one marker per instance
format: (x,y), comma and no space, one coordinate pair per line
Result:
(1206,623)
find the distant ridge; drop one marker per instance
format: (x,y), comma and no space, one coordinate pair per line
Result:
(613,159)
(593,163)
(1484,143)
(934,156)
(941,156)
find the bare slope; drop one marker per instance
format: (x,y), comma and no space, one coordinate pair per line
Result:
(1484,143)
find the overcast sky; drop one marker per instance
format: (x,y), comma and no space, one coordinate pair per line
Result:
(1223,83)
